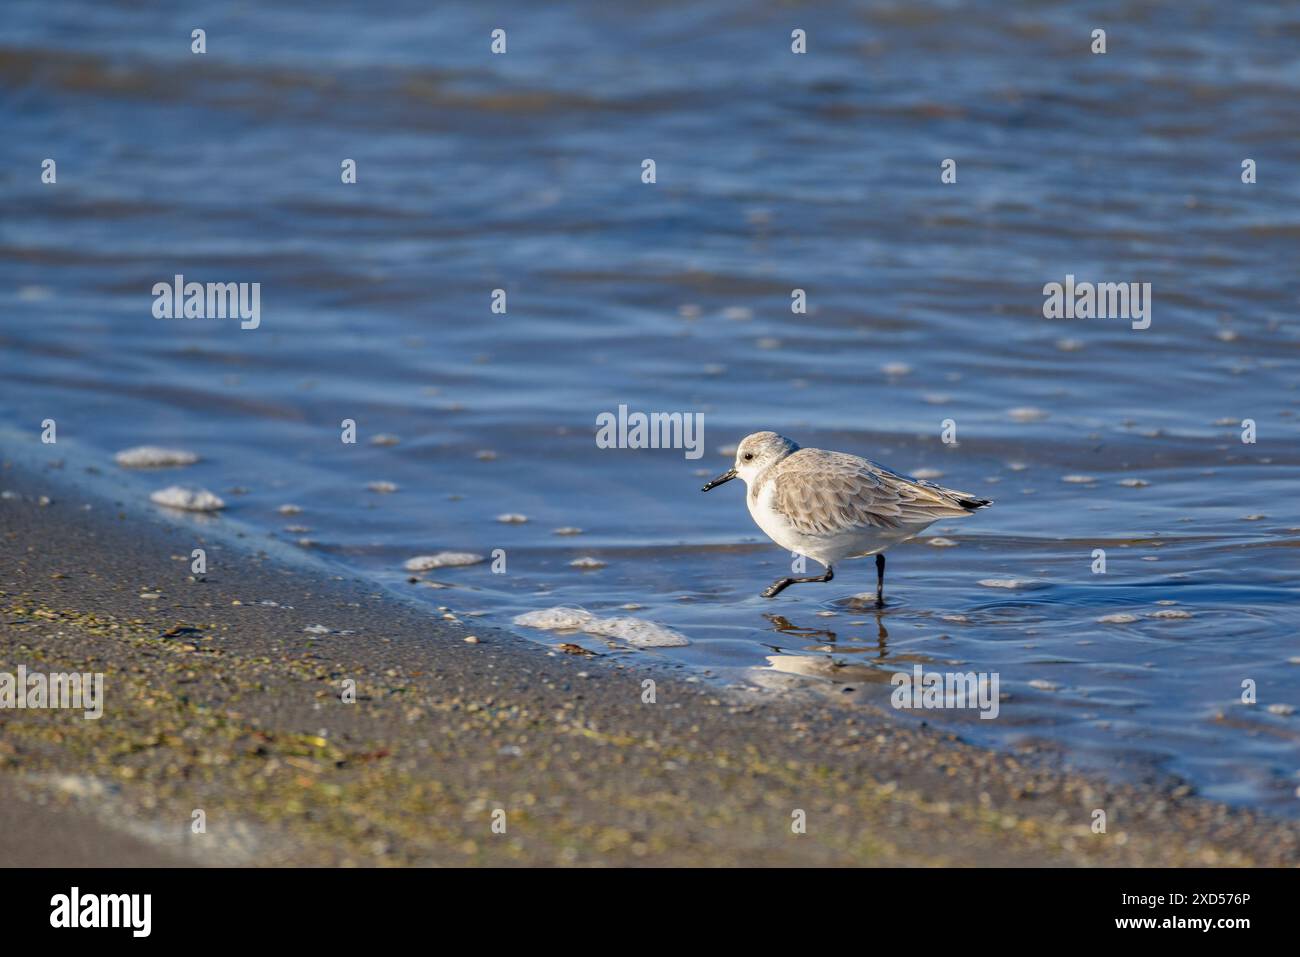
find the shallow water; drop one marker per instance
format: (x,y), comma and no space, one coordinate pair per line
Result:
(775,172)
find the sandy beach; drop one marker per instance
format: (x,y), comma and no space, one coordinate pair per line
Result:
(219,699)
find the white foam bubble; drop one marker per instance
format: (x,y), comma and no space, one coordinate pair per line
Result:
(555,619)
(1027,413)
(189,499)
(636,632)
(153,457)
(422,563)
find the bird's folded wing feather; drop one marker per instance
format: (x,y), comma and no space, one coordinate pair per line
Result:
(832,491)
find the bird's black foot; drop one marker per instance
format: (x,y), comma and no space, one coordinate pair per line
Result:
(781,584)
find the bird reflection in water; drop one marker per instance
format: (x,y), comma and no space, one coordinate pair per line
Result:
(784,626)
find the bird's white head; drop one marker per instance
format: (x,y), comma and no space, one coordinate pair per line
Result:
(755,455)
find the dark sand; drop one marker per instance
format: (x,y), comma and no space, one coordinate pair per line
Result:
(243,720)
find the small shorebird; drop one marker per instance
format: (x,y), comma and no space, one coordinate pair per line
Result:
(830,505)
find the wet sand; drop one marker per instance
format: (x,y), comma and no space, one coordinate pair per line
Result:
(242,719)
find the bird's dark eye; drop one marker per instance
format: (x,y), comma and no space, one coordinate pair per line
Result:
(748,456)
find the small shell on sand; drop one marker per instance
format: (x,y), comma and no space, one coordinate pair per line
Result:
(153,457)
(188,499)
(422,563)
(633,631)
(383,488)
(587,562)
(512,518)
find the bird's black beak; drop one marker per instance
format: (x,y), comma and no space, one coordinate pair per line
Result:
(726,476)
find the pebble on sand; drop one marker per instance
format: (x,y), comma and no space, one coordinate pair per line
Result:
(153,457)
(187,499)
(422,563)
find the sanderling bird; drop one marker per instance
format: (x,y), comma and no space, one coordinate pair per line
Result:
(831,505)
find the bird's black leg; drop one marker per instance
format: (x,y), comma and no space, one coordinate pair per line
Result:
(880,579)
(782,584)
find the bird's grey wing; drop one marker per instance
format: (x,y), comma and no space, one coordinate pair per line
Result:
(828,492)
